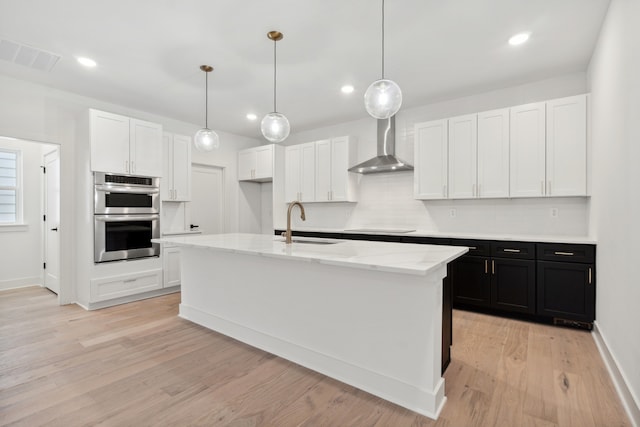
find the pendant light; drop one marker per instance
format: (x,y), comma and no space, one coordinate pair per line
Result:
(275,126)
(206,139)
(383,98)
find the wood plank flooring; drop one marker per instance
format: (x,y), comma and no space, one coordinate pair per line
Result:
(139,364)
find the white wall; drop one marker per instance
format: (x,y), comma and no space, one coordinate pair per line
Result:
(386,200)
(21,250)
(39,113)
(614,75)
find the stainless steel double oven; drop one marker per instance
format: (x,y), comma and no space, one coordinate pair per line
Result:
(126,217)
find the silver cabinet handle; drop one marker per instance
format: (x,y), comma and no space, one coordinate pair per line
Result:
(590,275)
(564,253)
(472,247)
(541,187)
(549,188)
(129,280)
(486,266)
(493,267)
(515,251)
(473,190)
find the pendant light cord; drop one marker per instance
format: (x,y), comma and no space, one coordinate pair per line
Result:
(383,39)
(274,76)
(206,100)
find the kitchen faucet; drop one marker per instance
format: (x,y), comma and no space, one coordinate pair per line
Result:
(287,235)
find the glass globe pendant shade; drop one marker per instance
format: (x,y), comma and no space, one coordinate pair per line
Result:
(383,99)
(275,127)
(206,140)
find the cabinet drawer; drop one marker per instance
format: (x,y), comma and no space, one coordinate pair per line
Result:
(120,286)
(567,252)
(476,247)
(520,250)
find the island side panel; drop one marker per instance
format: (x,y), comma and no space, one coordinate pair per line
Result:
(378,331)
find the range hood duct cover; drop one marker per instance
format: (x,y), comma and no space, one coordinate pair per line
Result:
(386,160)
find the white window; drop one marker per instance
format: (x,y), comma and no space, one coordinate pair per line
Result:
(10,191)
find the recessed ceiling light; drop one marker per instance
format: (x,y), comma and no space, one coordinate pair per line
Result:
(251,116)
(87,62)
(347,89)
(519,39)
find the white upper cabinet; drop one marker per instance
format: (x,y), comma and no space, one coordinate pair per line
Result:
(567,146)
(145,148)
(463,143)
(430,160)
(109,142)
(300,169)
(333,182)
(124,145)
(527,150)
(176,177)
(493,154)
(256,164)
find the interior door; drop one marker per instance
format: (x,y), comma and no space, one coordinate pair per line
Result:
(207,199)
(52,221)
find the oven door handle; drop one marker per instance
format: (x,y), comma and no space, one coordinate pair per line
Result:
(123,218)
(112,189)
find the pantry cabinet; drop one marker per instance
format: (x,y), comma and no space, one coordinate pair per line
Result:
(300,170)
(125,145)
(333,182)
(256,164)
(176,178)
(430,160)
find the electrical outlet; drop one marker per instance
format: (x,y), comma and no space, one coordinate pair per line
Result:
(452,213)
(554,212)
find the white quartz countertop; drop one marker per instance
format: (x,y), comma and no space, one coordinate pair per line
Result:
(457,235)
(390,257)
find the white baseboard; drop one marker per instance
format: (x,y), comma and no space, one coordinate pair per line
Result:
(20,283)
(628,401)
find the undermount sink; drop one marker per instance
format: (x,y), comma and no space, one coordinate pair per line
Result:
(311,242)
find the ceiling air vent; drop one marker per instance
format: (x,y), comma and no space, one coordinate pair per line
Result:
(27,56)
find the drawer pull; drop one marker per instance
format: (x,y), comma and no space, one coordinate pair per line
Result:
(486,266)
(472,248)
(493,267)
(564,253)
(129,280)
(515,251)
(590,275)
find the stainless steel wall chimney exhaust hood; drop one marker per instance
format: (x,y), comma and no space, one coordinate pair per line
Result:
(386,160)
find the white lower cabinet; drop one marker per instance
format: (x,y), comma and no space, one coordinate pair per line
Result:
(171,266)
(106,288)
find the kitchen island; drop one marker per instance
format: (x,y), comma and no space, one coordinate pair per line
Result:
(365,313)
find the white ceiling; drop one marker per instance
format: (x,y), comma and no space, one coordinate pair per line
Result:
(149,51)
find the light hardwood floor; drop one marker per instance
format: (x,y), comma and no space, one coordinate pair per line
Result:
(139,364)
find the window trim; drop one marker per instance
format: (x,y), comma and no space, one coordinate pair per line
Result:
(18,188)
